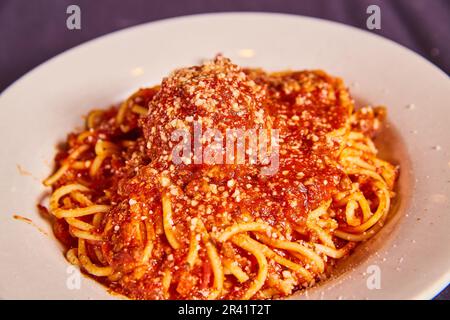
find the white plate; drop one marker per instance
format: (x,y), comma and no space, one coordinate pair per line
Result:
(37,111)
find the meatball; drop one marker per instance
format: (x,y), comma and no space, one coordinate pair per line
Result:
(216,95)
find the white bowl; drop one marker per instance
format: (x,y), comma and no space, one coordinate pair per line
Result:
(38,110)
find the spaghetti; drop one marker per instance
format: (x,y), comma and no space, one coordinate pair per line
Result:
(152,229)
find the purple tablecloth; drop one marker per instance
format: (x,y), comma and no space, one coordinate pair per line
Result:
(31,32)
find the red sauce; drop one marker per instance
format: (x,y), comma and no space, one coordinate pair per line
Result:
(304,106)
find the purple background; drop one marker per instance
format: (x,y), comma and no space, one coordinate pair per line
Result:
(32,31)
